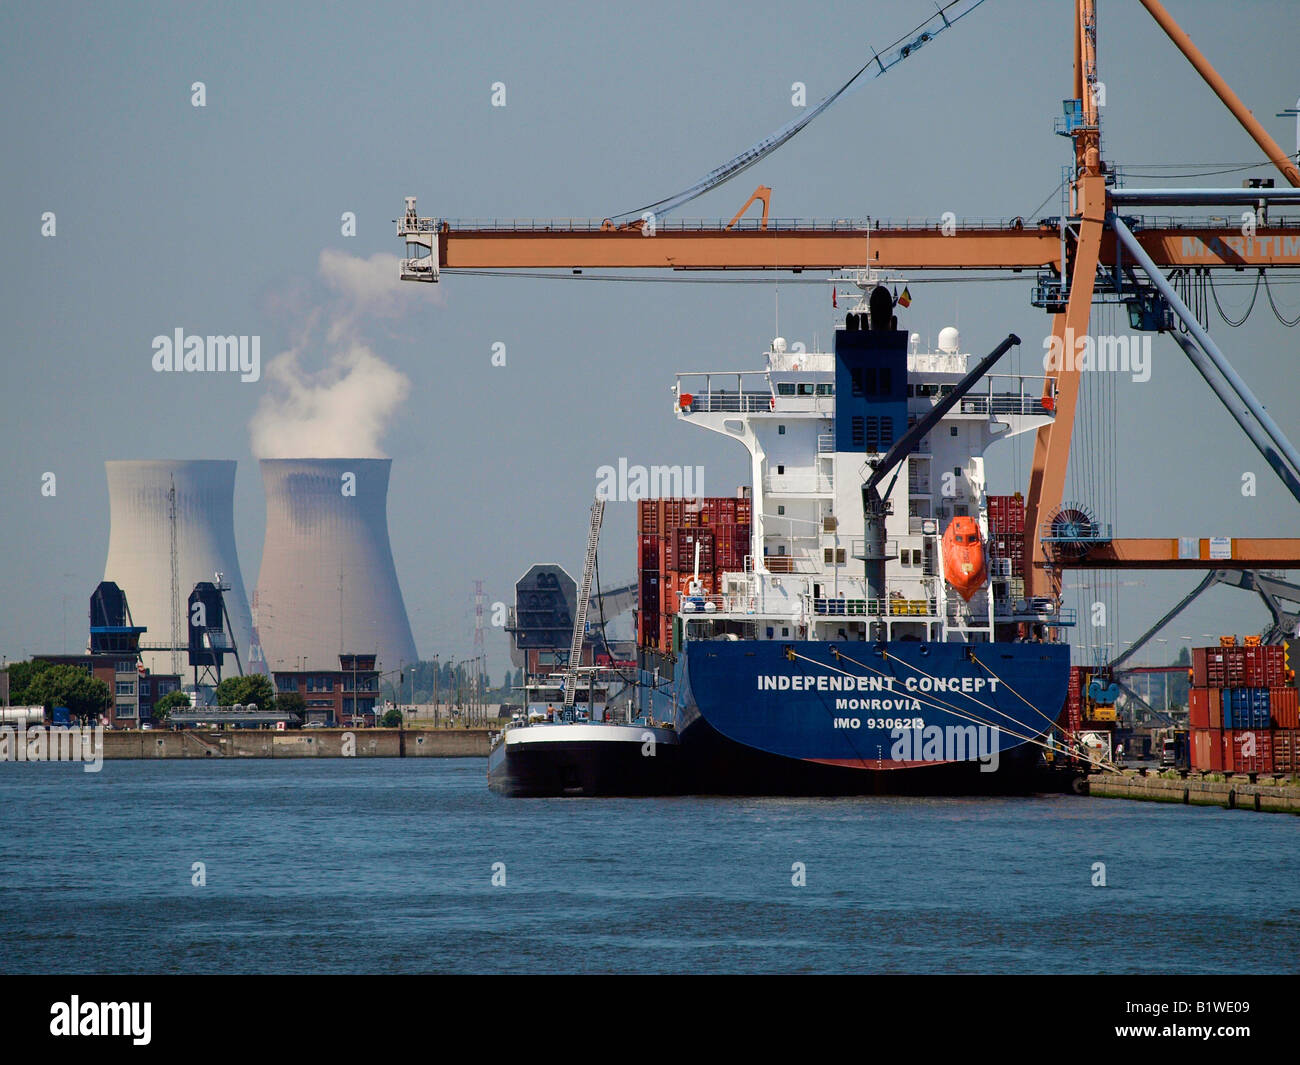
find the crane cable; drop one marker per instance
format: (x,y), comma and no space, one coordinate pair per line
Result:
(943,704)
(901,49)
(1277,313)
(1250,307)
(930,700)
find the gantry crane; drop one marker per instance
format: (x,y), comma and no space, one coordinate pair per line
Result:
(1092,250)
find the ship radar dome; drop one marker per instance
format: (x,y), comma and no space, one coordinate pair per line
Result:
(949,340)
(778,345)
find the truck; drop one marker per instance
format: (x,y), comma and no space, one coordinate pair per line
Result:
(19,716)
(1175,750)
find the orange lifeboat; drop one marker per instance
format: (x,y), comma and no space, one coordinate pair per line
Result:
(963,557)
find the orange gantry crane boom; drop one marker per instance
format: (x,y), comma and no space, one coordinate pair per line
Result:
(1073,249)
(798,244)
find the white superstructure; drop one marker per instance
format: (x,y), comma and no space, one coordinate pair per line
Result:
(805,575)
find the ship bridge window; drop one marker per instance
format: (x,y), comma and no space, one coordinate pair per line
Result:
(805,389)
(826,390)
(785,388)
(946,390)
(927,390)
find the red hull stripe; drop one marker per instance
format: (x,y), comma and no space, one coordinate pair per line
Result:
(871,763)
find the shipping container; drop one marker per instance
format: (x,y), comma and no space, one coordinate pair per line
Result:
(1248,751)
(1006,515)
(1284,707)
(647,553)
(1207,750)
(1286,751)
(1198,708)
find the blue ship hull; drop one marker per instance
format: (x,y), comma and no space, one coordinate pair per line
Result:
(864,718)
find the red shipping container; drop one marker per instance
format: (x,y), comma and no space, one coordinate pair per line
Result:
(647,553)
(1274,667)
(1216,708)
(1198,708)
(1284,750)
(647,515)
(1284,706)
(1207,750)
(1248,750)
(1216,667)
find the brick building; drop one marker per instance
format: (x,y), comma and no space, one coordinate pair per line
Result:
(342,697)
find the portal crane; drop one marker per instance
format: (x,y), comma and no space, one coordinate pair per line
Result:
(1095,249)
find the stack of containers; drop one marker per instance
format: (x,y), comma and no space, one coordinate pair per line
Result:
(650,591)
(668,533)
(1007,531)
(1242,709)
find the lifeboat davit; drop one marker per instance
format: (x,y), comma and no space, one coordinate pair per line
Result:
(963,556)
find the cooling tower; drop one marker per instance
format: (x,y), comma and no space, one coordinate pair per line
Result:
(327,582)
(140,543)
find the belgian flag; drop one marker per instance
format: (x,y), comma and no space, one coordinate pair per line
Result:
(905,300)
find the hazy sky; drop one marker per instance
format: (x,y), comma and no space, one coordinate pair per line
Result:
(225,219)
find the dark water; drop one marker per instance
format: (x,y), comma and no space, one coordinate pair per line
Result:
(386,866)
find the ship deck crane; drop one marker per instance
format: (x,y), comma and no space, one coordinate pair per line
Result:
(1088,252)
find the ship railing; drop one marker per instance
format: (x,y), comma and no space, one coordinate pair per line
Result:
(1066,617)
(894,606)
(729,391)
(825,443)
(1005,403)
(1000,394)
(698,605)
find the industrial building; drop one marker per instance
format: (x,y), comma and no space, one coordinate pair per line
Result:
(344,696)
(114,657)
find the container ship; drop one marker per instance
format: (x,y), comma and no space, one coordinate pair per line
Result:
(855,621)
